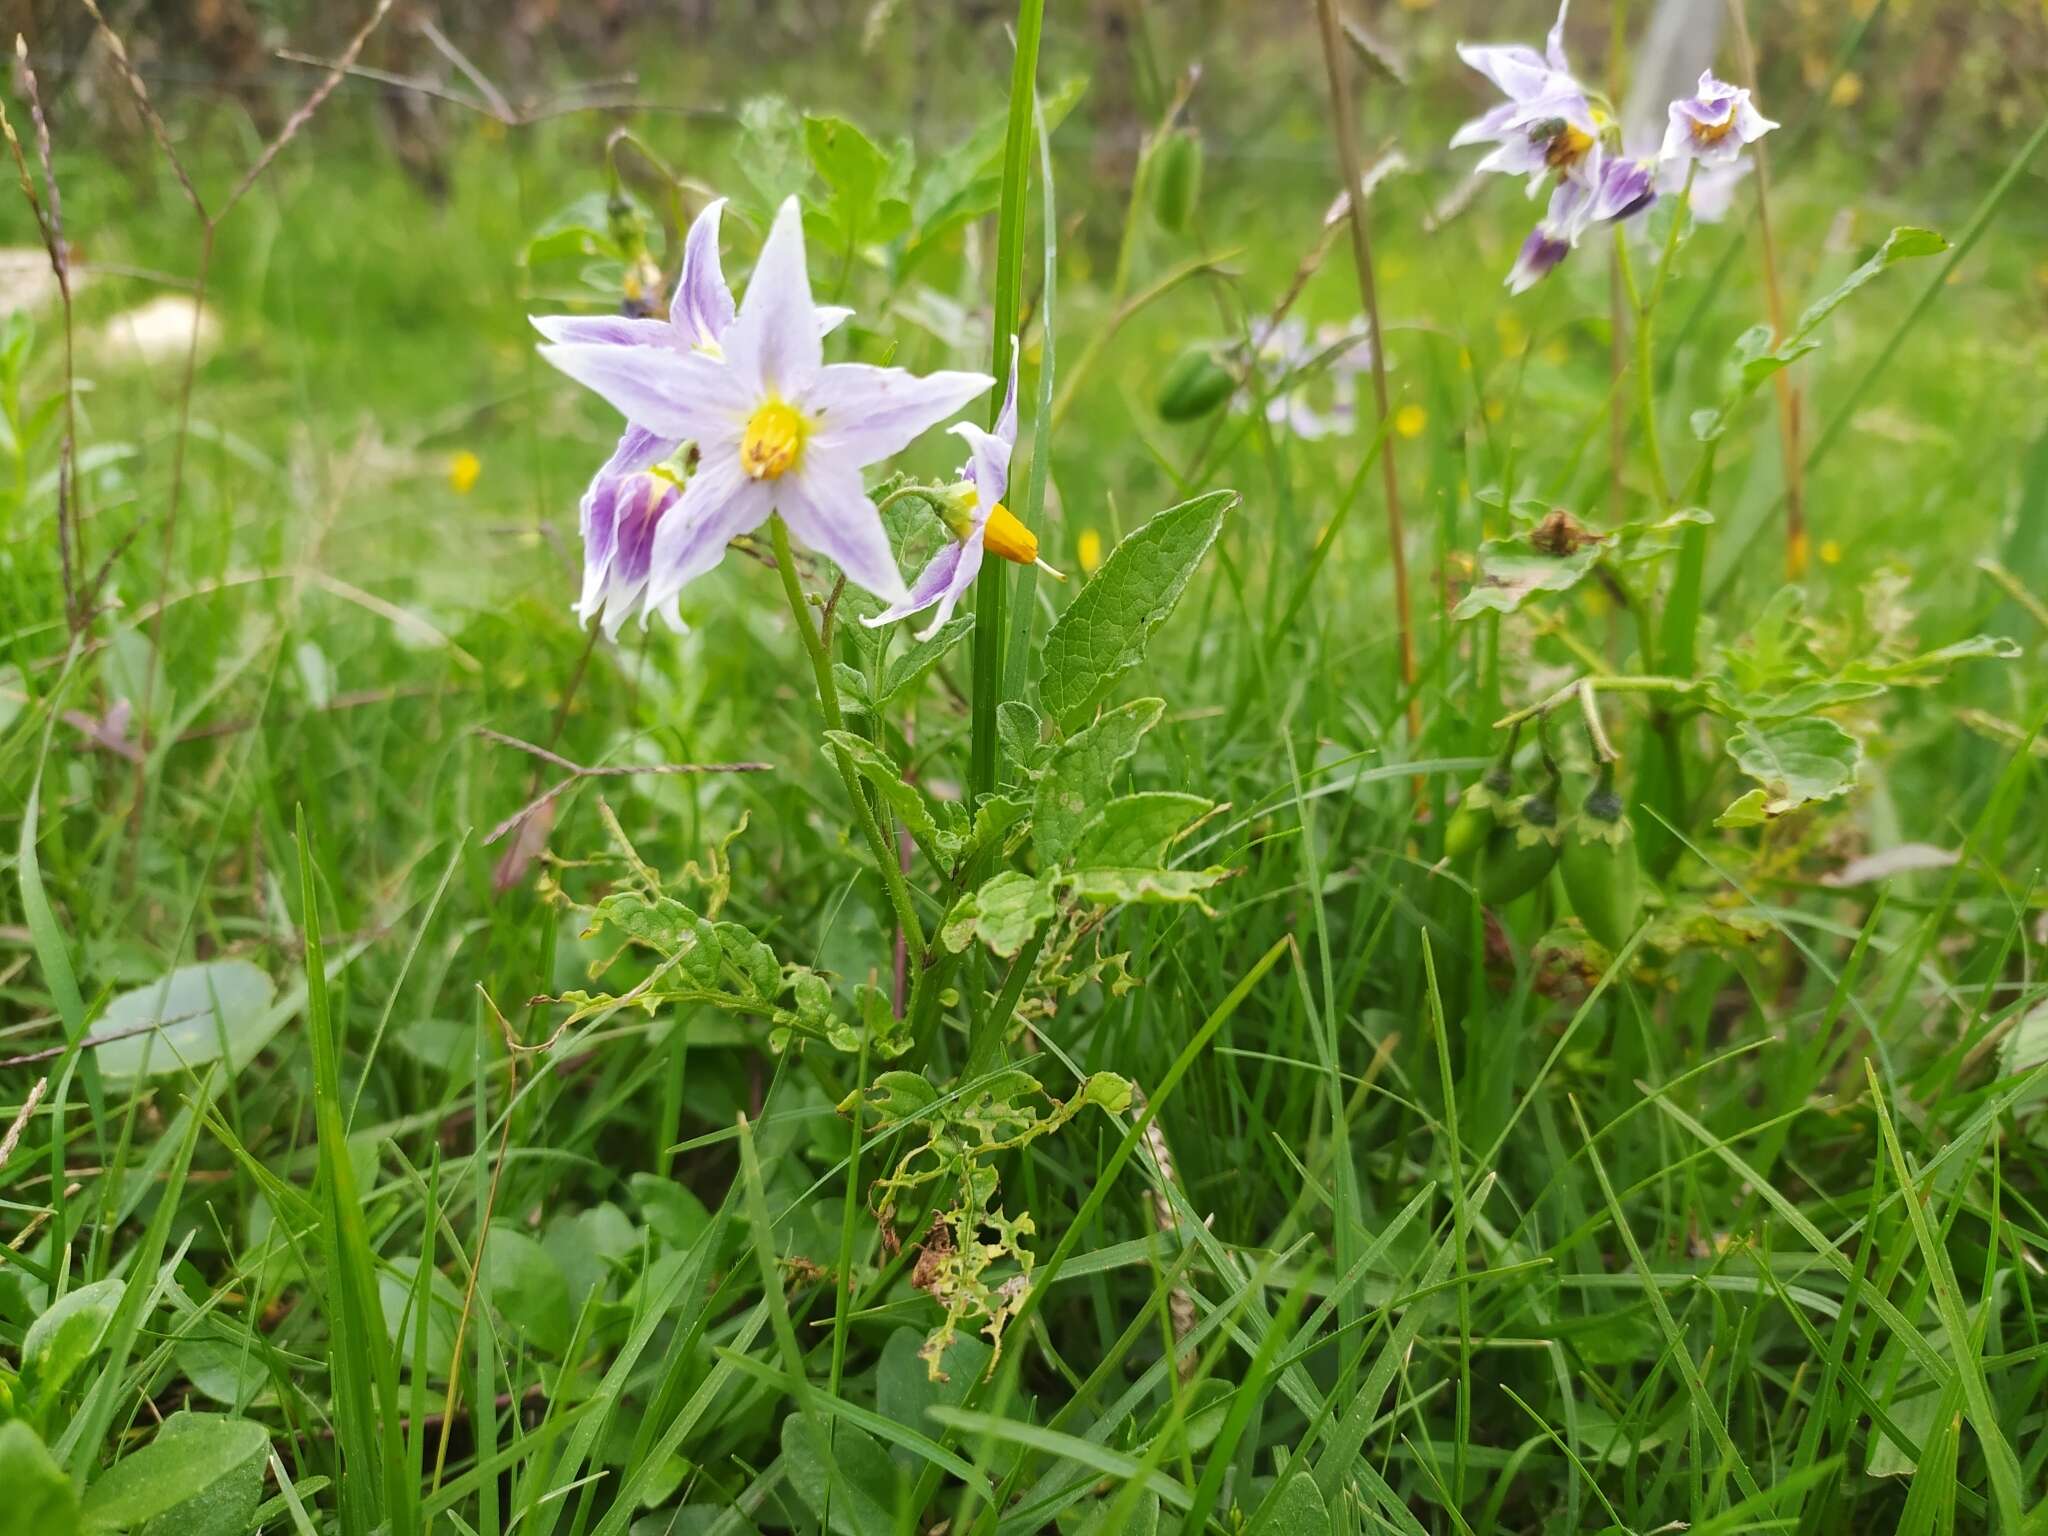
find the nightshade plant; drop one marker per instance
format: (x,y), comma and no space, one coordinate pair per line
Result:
(734,419)
(1773,688)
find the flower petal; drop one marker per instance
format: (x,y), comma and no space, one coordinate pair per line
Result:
(1520,71)
(702,307)
(828,511)
(719,504)
(1006,418)
(637,449)
(932,584)
(863,413)
(1553,45)
(773,346)
(675,394)
(603,330)
(831,317)
(988,463)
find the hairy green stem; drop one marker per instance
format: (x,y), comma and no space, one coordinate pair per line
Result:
(835,720)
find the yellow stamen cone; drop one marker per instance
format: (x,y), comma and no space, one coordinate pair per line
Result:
(1003,535)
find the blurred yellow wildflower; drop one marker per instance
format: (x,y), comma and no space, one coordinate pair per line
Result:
(1846,91)
(1830,552)
(1410,420)
(1089,550)
(463,470)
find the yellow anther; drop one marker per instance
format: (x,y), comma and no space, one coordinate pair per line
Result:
(774,438)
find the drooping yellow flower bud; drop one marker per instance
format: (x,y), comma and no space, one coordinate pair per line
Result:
(773,439)
(1005,536)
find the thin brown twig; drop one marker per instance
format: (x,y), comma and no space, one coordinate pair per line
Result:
(500,107)
(575,771)
(1789,406)
(306,109)
(1368,293)
(149,113)
(49,217)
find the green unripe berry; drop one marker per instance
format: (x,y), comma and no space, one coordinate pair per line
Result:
(1194,386)
(1520,851)
(1478,813)
(1602,875)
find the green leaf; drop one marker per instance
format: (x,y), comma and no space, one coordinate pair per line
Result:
(528,1288)
(1135,830)
(869,188)
(909,1380)
(1296,1508)
(906,800)
(1112,1095)
(672,1212)
(1745,811)
(175,1467)
(1514,569)
(585,228)
(1146,887)
(67,1335)
(1004,914)
(1755,359)
(225,1507)
(773,156)
(1104,631)
(1021,729)
(842,1475)
(187,1018)
(894,1096)
(1077,781)
(1931,666)
(39,1500)
(1798,762)
(1902,244)
(907,669)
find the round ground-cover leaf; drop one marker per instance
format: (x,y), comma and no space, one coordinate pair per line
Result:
(192,1453)
(186,1019)
(842,1474)
(67,1335)
(527,1286)
(904,1388)
(39,1500)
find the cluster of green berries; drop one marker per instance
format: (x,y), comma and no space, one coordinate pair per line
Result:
(1512,842)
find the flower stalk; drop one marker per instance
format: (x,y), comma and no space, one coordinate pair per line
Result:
(886,864)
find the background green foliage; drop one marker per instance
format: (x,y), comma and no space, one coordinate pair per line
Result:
(1474,1227)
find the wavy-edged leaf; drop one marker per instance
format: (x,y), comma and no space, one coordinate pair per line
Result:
(1003,914)
(1798,762)
(1104,631)
(1077,781)
(1136,830)
(905,799)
